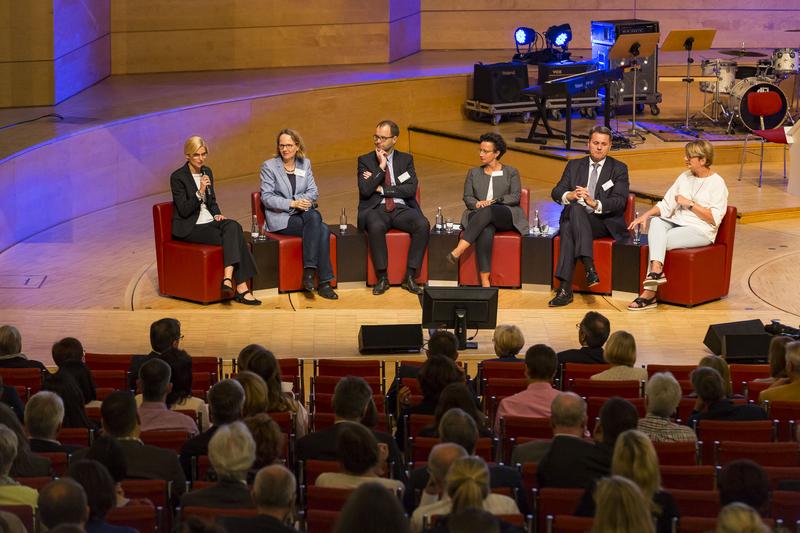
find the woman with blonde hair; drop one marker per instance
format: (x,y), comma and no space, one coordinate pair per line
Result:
(739,517)
(197,218)
(620,353)
(255,393)
(621,507)
(720,365)
(508,341)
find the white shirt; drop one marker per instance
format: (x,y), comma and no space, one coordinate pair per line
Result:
(710,192)
(390,171)
(497,504)
(599,209)
(205,215)
(340,480)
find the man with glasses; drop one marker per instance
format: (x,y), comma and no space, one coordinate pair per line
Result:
(387,187)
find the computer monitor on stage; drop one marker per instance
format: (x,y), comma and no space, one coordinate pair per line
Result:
(460,308)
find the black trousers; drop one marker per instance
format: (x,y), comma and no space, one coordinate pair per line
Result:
(578,231)
(378,221)
(316,242)
(228,234)
(481,227)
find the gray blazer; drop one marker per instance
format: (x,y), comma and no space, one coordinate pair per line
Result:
(506,188)
(276,191)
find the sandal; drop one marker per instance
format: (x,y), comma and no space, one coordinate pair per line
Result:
(653,280)
(640,304)
(227,290)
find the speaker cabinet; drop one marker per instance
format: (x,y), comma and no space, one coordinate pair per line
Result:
(499,83)
(744,340)
(395,338)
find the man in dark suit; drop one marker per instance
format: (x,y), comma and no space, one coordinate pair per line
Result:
(593,333)
(387,188)
(594,192)
(352,402)
(274,491)
(44,414)
(567,417)
(712,404)
(572,462)
(164,334)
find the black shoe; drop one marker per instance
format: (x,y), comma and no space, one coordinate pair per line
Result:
(411,286)
(227,290)
(381,287)
(592,278)
(326,291)
(240,297)
(562,298)
(308,281)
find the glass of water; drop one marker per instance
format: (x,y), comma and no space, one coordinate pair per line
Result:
(448,225)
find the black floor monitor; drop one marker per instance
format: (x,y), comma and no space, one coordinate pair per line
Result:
(460,308)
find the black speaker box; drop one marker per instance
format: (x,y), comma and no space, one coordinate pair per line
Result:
(394,338)
(738,340)
(499,83)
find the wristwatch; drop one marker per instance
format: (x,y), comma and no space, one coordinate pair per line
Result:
(691,205)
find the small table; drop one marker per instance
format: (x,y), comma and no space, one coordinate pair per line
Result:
(265,253)
(351,254)
(440,244)
(537,259)
(629,264)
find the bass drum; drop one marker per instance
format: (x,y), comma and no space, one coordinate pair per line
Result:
(739,103)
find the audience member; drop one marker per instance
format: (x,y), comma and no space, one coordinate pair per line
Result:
(372,509)
(787,389)
(70,358)
(541,365)
(720,365)
(11,492)
(63,501)
(352,402)
(225,402)
(180,397)
(470,520)
(10,523)
(507,341)
(776,358)
(44,414)
(164,334)
(255,393)
(231,452)
(467,485)
(662,395)
(635,459)
(11,355)
(74,403)
(26,463)
(273,495)
(746,482)
(100,494)
(457,395)
(362,460)
(712,404)
(268,437)
(568,420)
(154,381)
(621,507)
(739,517)
(264,363)
(621,355)
(593,332)
(107,451)
(10,397)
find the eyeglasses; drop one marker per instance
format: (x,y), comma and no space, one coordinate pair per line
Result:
(287,146)
(200,154)
(487,151)
(381,138)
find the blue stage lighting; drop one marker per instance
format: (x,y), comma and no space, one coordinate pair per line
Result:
(559,35)
(524,36)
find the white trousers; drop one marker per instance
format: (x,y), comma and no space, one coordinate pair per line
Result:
(664,235)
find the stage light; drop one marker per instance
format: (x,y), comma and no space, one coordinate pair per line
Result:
(559,35)
(524,36)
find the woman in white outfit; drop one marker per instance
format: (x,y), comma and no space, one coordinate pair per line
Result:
(687,217)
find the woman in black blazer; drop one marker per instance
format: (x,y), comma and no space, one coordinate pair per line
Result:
(197,218)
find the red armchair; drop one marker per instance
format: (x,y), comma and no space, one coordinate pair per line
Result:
(699,275)
(506,257)
(397,245)
(602,249)
(290,252)
(185,270)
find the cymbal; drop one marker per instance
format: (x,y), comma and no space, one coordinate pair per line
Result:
(742,53)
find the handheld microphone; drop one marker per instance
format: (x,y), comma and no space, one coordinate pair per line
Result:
(203,171)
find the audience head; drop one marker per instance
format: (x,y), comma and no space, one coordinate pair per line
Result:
(255,393)
(74,402)
(261,361)
(739,517)
(473,520)
(8,449)
(468,483)
(593,330)
(371,508)
(225,402)
(24,459)
(180,364)
(119,414)
(744,481)
(436,374)
(443,342)
(268,437)
(720,365)
(508,340)
(154,376)
(793,359)
(357,450)
(107,451)
(620,349)
(458,395)
(63,501)
(246,355)
(621,507)
(635,458)
(352,399)
(541,363)
(232,451)
(777,356)
(568,414)
(616,416)
(44,414)
(10,340)
(98,485)
(708,384)
(662,394)
(68,349)
(459,427)
(165,334)
(274,489)
(441,458)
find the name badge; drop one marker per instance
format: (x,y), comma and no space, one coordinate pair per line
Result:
(300,172)
(497,173)
(607,185)
(402,178)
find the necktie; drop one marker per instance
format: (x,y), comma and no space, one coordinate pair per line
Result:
(592,183)
(387,182)
(490,191)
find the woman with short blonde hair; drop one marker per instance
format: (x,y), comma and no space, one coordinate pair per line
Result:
(508,341)
(739,517)
(621,507)
(620,353)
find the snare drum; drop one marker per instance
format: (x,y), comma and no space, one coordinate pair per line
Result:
(785,61)
(739,103)
(724,70)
